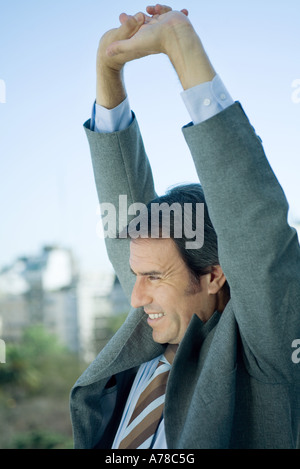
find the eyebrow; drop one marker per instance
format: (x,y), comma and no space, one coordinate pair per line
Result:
(150,272)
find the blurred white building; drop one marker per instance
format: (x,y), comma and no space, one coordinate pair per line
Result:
(40,289)
(48,289)
(94,307)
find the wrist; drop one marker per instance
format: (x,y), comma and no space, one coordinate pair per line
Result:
(110,88)
(186,53)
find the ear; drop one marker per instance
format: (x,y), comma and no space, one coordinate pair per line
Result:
(216,280)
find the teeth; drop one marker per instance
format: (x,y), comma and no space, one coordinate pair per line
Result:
(156,315)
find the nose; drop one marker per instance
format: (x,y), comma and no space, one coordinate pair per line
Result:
(140,295)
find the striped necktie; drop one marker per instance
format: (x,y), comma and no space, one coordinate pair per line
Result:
(149,407)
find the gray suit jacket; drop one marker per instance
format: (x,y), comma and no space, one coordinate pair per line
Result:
(233,383)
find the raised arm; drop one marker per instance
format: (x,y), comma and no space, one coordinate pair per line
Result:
(120,164)
(258,250)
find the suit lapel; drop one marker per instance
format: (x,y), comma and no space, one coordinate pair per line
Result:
(131,346)
(194,383)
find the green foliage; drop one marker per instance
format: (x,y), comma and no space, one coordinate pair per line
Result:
(38,439)
(35,383)
(36,363)
(26,361)
(38,343)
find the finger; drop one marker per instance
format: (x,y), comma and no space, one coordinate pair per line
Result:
(150,10)
(130,24)
(158,9)
(123,18)
(147,18)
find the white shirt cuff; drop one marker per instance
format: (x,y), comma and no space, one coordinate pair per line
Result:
(111,120)
(206,100)
(202,102)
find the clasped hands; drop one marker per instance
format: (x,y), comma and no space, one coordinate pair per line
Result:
(143,34)
(161,30)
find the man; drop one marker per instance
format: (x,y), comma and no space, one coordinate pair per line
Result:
(233,383)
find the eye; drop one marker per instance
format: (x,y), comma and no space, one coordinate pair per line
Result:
(153,277)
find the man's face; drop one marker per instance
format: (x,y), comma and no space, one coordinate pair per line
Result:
(164,289)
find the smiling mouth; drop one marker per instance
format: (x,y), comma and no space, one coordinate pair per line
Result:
(155,315)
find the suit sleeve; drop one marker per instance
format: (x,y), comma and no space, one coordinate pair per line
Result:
(258,251)
(120,167)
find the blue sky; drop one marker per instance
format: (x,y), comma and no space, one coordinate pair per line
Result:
(47,61)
